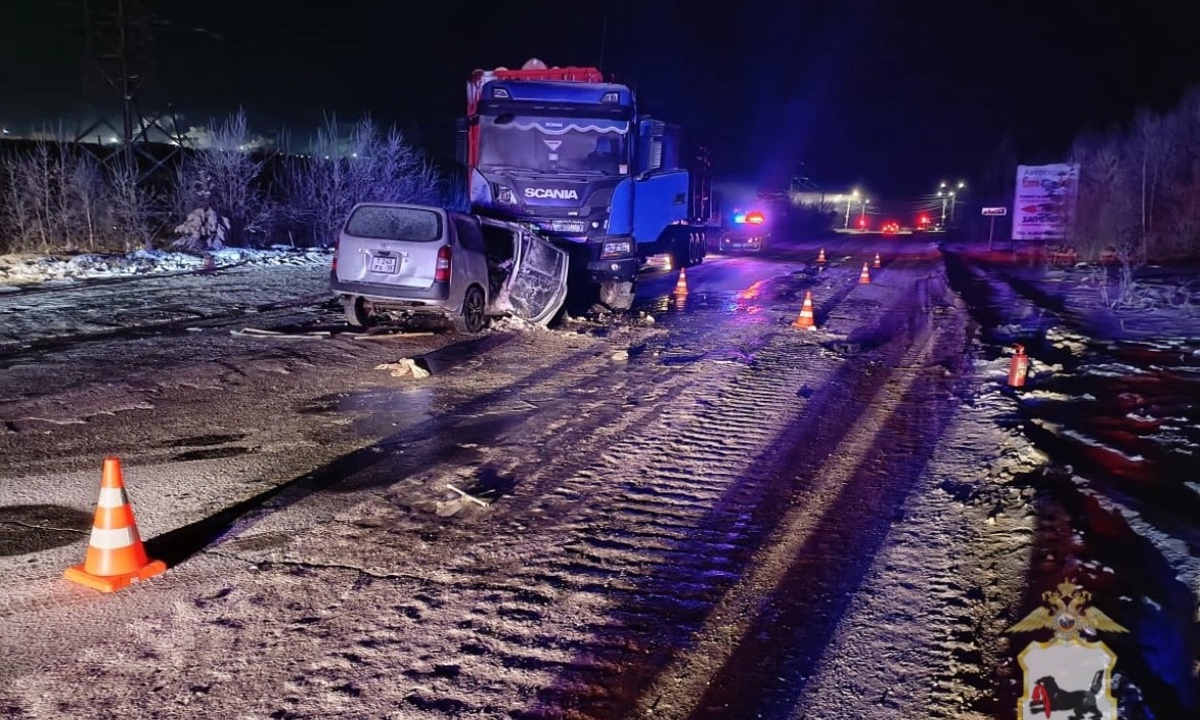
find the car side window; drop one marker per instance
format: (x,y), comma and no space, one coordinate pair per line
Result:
(469,235)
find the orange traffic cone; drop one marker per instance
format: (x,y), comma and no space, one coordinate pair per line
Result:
(806,320)
(864,278)
(877,262)
(115,556)
(681,285)
(821,256)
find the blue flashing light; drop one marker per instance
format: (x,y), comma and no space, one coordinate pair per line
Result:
(739,218)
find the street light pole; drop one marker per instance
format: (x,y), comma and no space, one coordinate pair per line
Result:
(849,200)
(954,199)
(862,215)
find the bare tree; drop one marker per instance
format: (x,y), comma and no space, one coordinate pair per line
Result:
(225,177)
(131,206)
(365,165)
(85,192)
(1154,137)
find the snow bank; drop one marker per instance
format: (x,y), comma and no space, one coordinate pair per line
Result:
(24,270)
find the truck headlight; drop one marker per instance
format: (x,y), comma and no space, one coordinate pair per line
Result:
(619,247)
(505,195)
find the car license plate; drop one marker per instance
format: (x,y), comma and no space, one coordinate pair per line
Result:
(384,264)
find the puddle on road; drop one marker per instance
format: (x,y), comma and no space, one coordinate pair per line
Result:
(384,410)
(757,297)
(28,529)
(205,440)
(211,453)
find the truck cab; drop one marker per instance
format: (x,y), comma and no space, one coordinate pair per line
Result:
(566,151)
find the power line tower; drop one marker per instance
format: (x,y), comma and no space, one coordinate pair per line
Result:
(119,64)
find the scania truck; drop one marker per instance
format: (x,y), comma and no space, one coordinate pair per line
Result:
(567,151)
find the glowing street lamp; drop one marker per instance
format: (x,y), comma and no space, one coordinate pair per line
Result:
(950,196)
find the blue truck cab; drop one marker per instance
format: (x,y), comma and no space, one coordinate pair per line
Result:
(564,150)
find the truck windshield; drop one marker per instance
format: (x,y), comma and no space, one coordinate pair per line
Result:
(554,145)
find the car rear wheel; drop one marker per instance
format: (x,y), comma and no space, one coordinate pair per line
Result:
(472,319)
(356,312)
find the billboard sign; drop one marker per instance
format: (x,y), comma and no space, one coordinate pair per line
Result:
(1044,206)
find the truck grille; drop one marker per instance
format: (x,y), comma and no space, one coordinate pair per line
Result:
(564,226)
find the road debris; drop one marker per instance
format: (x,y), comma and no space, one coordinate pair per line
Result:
(406,367)
(276,334)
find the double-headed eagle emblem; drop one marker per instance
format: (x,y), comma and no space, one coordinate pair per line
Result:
(1065,614)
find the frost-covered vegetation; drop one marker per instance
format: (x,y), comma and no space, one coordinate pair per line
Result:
(1139,189)
(66,196)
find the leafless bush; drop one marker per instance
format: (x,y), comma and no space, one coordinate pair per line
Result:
(132,207)
(59,197)
(53,200)
(1139,190)
(320,187)
(225,177)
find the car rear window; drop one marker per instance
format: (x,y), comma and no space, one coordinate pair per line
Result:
(394,223)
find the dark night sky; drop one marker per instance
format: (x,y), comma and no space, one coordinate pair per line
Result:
(895,95)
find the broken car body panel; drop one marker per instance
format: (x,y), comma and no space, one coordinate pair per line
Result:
(396,259)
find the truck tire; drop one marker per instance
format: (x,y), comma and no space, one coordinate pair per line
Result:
(617,295)
(683,251)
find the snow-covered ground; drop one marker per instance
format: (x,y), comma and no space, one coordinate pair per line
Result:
(1112,401)
(20,271)
(48,299)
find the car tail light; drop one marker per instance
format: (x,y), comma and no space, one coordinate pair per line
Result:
(337,241)
(442,273)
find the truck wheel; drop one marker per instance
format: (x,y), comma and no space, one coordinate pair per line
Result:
(472,319)
(617,295)
(681,253)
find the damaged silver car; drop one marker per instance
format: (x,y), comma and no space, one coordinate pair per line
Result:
(395,261)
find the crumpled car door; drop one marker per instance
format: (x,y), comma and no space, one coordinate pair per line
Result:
(537,287)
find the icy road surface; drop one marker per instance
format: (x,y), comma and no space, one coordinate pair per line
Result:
(712,515)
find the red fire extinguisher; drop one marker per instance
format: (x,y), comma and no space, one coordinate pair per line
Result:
(1019,368)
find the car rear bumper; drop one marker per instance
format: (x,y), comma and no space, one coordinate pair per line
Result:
(435,295)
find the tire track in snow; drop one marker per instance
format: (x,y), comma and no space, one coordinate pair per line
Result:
(668,574)
(567,597)
(601,559)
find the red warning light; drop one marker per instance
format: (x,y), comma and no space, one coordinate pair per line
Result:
(862,222)
(754,217)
